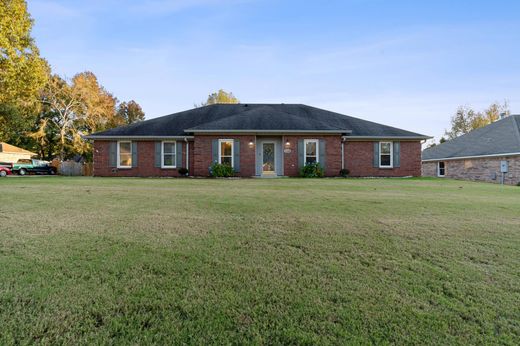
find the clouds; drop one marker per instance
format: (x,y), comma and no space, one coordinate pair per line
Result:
(384,63)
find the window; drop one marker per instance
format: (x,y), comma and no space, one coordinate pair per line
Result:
(441,169)
(225,152)
(385,154)
(124,154)
(311,150)
(168,155)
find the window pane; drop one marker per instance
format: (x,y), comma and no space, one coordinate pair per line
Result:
(310,148)
(169,148)
(125,148)
(385,148)
(385,160)
(125,160)
(310,159)
(226,160)
(169,160)
(225,148)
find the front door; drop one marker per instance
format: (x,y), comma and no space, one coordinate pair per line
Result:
(268,154)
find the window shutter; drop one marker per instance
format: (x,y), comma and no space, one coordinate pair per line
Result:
(301,158)
(322,156)
(214,150)
(397,154)
(158,153)
(236,155)
(178,154)
(112,154)
(376,154)
(134,154)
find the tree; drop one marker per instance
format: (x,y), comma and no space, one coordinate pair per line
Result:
(130,112)
(23,73)
(466,119)
(62,102)
(220,96)
(96,110)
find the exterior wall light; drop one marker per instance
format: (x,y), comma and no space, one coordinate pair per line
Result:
(251,144)
(287,143)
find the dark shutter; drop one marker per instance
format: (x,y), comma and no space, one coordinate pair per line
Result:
(397,154)
(134,154)
(301,158)
(214,150)
(158,153)
(236,155)
(178,154)
(376,154)
(322,155)
(112,154)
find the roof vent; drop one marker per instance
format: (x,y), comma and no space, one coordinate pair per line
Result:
(245,105)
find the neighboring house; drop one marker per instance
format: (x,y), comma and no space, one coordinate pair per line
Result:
(481,154)
(10,153)
(257,140)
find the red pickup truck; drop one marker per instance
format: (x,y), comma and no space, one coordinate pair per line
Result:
(6,169)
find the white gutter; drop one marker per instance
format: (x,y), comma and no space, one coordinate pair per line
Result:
(268,131)
(138,137)
(387,137)
(470,157)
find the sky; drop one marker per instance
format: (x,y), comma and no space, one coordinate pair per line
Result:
(407,64)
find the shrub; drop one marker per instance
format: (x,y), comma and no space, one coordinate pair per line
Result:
(518,184)
(221,170)
(183,171)
(344,172)
(311,170)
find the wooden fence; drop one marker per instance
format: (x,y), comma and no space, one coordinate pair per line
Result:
(72,168)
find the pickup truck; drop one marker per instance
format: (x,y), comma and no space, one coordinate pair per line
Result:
(27,166)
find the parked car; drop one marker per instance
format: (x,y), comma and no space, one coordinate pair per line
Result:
(5,169)
(28,166)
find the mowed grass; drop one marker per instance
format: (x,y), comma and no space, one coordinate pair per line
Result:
(278,261)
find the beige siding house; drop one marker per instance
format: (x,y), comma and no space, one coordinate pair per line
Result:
(10,153)
(490,154)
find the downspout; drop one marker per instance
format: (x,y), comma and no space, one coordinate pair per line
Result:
(187,155)
(342,153)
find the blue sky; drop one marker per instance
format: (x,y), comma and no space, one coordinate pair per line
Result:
(403,63)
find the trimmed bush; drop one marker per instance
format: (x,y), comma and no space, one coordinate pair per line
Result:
(183,171)
(344,172)
(311,170)
(221,170)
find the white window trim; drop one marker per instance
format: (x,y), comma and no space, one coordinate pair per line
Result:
(439,169)
(305,141)
(220,141)
(162,155)
(119,154)
(391,155)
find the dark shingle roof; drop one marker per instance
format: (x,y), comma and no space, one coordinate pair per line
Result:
(256,117)
(500,137)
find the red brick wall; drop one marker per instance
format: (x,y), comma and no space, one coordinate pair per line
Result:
(359,158)
(332,152)
(203,154)
(145,162)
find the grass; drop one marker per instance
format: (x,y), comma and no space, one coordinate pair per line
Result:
(288,261)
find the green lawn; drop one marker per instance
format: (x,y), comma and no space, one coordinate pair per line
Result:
(275,261)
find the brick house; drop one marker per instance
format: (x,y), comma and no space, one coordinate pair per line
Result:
(491,154)
(264,140)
